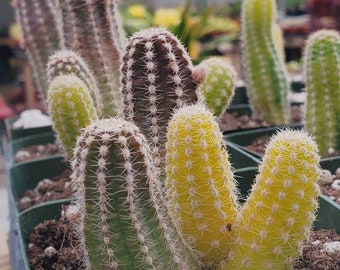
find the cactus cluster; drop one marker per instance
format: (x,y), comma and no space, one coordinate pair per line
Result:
(322,69)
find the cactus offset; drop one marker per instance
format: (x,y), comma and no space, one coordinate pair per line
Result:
(93,29)
(264,70)
(322,69)
(157,77)
(67,62)
(218,88)
(277,216)
(117,192)
(200,182)
(71,109)
(41,33)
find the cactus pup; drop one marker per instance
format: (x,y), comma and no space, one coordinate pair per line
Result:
(157,77)
(322,69)
(71,108)
(121,224)
(276,218)
(200,182)
(94,30)
(218,88)
(264,70)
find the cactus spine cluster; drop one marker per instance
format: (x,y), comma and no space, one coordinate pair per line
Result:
(276,218)
(218,88)
(322,69)
(264,70)
(71,108)
(116,187)
(200,182)
(93,29)
(42,35)
(157,77)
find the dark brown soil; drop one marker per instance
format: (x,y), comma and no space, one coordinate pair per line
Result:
(53,246)
(35,152)
(56,188)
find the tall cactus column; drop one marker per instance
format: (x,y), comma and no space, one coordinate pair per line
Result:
(264,70)
(157,78)
(115,185)
(322,69)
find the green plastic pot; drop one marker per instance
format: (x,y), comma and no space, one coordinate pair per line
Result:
(25,176)
(240,158)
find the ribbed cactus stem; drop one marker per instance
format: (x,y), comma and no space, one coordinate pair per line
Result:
(277,216)
(71,109)
(322,69)
(114,181)
(200,182)
(66,62)
(41,33)
(264,70)
(157,77)
(93,29)
(218,88)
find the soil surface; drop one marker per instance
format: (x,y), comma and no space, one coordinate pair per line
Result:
(56,188)
(36,151)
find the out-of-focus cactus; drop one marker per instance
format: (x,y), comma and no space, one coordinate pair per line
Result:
(200,182)
(322,69)
(277,216)
(41,35)
(71,108)
(66,62)
(157,77)
(122,223)
(94,30)
(218,88)
(264,70)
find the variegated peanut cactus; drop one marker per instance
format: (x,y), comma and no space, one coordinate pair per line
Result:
(322,69)
(66,62)
(42,35)
(157,77)
(200,182)
(124,222)
(71,108)
(276,218)
(218,88)
(94,30)
(264,70)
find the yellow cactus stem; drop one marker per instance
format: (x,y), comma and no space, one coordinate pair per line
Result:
(200,182)
(277,216)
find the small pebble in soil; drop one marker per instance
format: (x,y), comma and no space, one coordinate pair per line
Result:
(336,185)
(325,178)
(331,247)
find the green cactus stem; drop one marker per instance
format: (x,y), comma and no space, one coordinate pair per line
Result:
(157,77)
(200,182)
(322,69)
(264,70)
(218,88)
(93,29)
(41,34)
(71,109)
(66,62)
(277,216)
(121,224)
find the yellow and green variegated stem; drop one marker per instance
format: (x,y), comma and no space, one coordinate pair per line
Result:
(218,88)
(200,182)
(278,214)
(122,223)
(322,69)
(71,108)
(265,73)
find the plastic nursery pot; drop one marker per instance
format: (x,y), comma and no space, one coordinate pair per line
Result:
(36,139)
(26,176)
(19,133)
(328,215)
(240,158)
(244,138)
(33,216)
